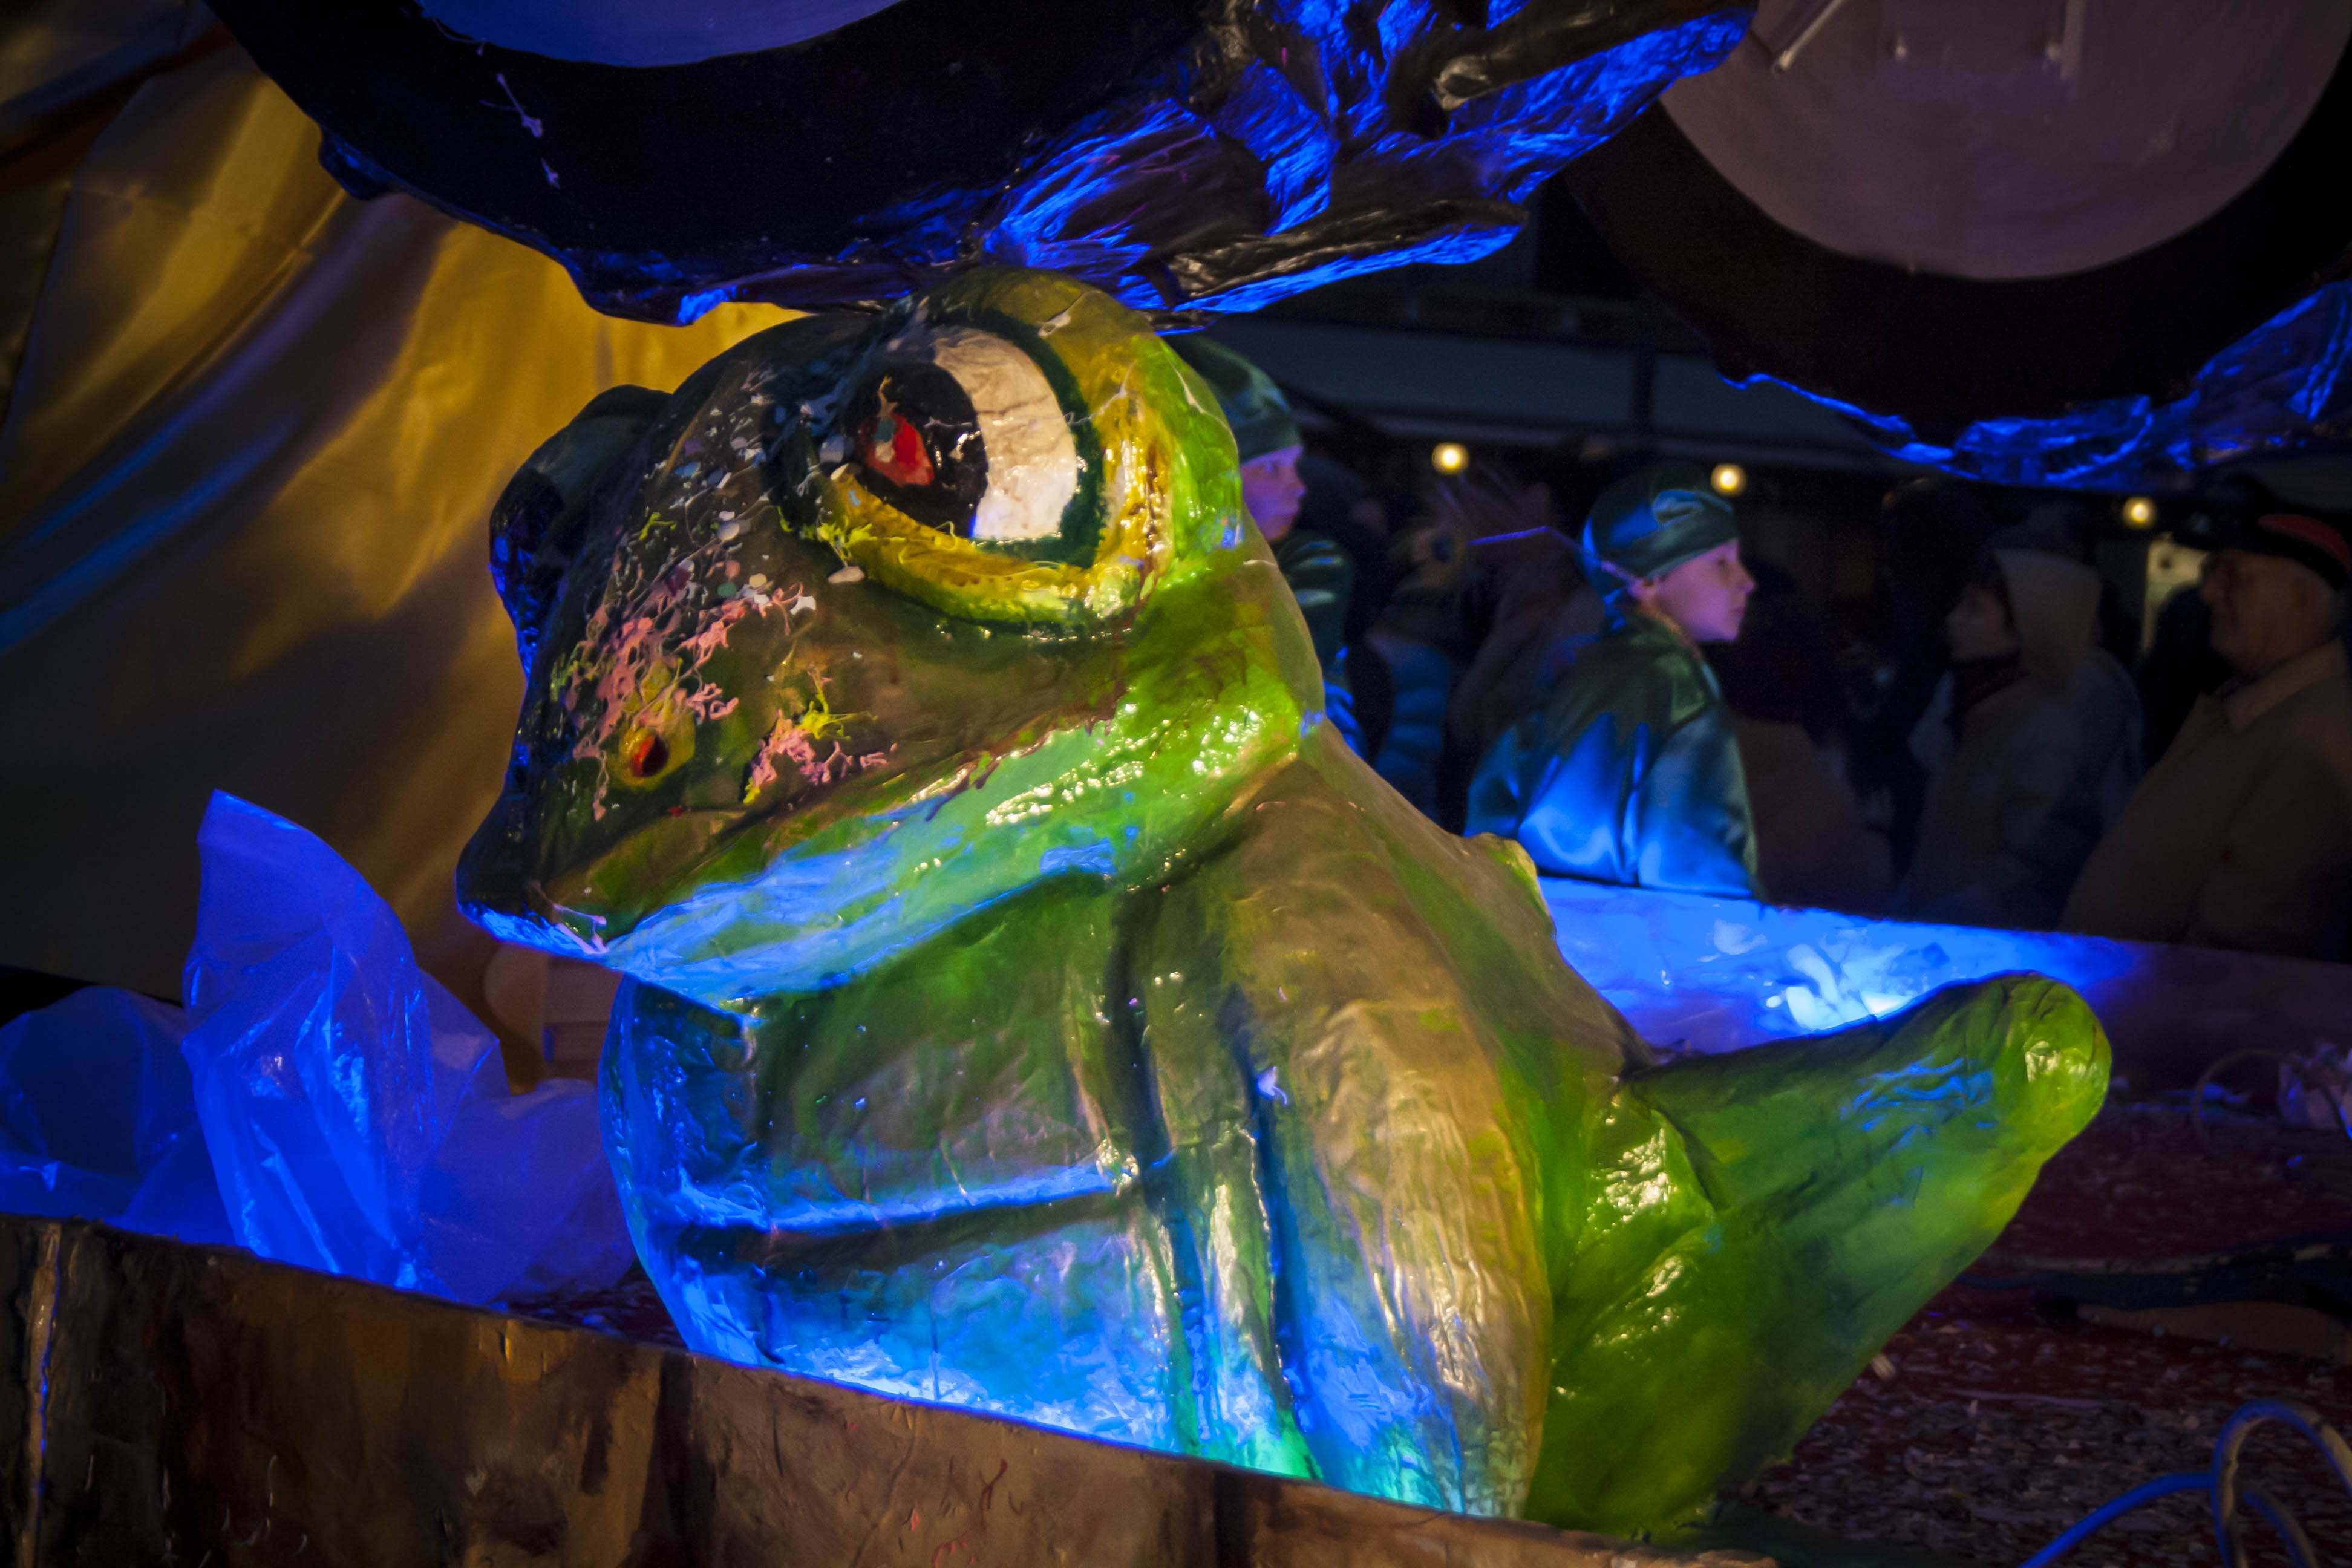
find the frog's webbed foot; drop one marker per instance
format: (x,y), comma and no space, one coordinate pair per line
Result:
(1761,1222)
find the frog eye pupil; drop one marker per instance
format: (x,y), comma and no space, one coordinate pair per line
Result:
(893,448)
(649,754)
(917,439)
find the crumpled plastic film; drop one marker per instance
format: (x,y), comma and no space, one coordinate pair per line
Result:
(358,1118)
(1219,156)
(2282,389)
(97,1118)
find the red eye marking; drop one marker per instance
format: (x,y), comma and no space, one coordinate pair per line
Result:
(894,449)
(647,754)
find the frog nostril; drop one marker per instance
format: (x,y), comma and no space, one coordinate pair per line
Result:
(647,754)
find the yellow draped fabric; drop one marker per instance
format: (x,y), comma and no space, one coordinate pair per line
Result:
(245,477)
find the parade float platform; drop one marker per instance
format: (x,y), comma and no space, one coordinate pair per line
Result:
(2005,1415)
(168,1403)
(165,1402)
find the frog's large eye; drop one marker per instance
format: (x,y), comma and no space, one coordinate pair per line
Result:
(1016,449)
(959,430)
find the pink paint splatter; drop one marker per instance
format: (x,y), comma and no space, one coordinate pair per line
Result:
(788,741)
(708,705)
(763,766)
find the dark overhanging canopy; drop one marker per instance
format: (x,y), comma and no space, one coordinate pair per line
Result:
(1177,152)
(2055,241)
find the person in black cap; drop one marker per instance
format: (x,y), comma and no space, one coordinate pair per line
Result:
(2241,836)
(1267,439)
(1628,770)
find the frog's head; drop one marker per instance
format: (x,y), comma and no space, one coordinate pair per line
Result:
(878,619)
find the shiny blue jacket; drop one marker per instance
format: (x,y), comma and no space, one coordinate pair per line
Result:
(1627,772)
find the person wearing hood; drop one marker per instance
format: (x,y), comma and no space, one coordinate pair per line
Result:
(2003,747)
(1321,576)
(1627,769)
(2240,835)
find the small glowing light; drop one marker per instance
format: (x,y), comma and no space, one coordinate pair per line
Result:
(2140,512)
(1728,479)
(1449,456)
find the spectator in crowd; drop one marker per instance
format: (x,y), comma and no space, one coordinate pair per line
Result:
(1342,507)
(1488,584)
(1932,532)
(1420,638)
(2180,665)
(2241,836)
(2003,745)
(1627,769)
(2106,701)
(1813,844)
(1534,598)
(1267,439)
(1442,619)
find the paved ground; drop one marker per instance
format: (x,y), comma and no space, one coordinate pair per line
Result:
(2000,1425)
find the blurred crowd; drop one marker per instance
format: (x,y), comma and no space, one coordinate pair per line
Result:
(1595,666)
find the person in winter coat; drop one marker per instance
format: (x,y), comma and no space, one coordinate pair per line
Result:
(2004,746)
(2240,835)
(1525,595)
(1813,845)
(1266,438)
(1627,771)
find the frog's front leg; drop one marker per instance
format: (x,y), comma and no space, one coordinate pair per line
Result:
(1351,1064)
(1760,1223)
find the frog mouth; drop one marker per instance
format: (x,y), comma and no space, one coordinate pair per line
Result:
(495,893)
(722,905)
(723,924)
(661,862)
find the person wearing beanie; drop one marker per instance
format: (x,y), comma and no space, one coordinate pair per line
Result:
(2240,835)
(1627,769)
(1267,439)
(2002,745)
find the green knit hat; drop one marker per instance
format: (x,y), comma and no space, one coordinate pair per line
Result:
(1253,405)
(1652,521)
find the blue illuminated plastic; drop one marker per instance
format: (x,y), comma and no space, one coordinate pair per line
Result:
(320,1101)
(2280,389)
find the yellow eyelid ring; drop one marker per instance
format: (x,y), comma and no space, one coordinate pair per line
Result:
(1143,438)
(970,580)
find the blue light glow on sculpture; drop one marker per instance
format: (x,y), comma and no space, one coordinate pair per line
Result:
(1036,1007)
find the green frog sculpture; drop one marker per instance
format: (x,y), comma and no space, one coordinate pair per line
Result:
(1034,1007)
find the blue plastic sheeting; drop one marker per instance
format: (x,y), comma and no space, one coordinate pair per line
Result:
(1703,973)
(1098,207)
(2278,390)
(323,1100)
(97,1118)
(358,1116)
